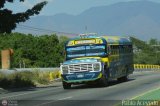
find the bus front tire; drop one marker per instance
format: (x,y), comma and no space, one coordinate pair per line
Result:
(66,85)
(103,82)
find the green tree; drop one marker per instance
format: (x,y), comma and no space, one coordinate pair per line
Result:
(153,41)
(148,53)
(62,41)
(9,20)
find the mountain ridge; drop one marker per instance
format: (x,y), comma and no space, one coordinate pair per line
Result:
(138,18)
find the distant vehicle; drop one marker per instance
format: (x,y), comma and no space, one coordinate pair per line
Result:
(96,59)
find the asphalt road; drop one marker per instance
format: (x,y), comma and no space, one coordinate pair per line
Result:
(84,95)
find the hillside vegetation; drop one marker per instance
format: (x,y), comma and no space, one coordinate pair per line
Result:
(34,51)
(146,52)
(48,50)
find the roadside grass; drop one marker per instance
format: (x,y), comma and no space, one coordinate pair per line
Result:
(150,95)
(150,98)
(27,78)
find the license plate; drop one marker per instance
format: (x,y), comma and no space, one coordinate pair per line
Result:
(80,75)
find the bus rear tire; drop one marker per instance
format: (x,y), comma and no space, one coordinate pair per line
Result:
(66,85)
(123,79)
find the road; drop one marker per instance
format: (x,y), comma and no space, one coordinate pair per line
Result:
(84,95)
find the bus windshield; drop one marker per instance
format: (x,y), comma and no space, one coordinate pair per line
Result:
(87,50)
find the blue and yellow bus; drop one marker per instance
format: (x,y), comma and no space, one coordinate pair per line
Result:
(96,59)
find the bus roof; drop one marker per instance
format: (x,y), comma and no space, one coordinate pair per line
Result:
(117,39)
(111,40)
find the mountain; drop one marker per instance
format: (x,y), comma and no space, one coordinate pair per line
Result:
(137,18)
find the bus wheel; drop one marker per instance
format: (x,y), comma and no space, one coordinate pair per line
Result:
(122,79)
(66,85)
(103,81)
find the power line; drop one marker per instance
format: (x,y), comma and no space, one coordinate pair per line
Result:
(43,30)
(32,29)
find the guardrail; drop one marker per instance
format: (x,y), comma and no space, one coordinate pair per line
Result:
(146,67)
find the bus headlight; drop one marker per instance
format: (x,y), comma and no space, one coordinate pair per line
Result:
(96,66)
(64,69)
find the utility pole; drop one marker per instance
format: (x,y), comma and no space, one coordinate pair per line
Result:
(86,28)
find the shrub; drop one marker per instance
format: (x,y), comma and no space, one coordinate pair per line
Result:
(18,79)
(27,78)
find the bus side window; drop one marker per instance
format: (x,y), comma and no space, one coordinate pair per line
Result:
(109,49)
(125,49)
(120,49)
(112,50)
(117,49)
(130,48)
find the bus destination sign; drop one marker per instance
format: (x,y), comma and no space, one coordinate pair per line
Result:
(85,42)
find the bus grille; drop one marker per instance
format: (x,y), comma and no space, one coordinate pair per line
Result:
(80,67)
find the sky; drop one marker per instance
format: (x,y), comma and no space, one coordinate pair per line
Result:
(73,7)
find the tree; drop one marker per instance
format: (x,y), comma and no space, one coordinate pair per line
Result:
(8,20)
(153,41)
(33,51)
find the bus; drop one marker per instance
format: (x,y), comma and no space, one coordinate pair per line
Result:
(90,58)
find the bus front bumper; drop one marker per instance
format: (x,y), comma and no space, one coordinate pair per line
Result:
(82,77)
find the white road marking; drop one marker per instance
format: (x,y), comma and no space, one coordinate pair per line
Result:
(65,98)
(44,104)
